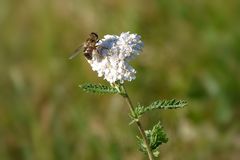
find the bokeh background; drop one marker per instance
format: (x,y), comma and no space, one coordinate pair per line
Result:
(192,52)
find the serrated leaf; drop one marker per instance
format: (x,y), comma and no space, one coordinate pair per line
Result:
(167,104)
(98,88)
(159,104)
(155,137)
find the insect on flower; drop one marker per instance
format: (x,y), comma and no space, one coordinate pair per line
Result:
(116,52)
(89,47)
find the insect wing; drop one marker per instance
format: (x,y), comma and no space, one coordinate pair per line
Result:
(76,52)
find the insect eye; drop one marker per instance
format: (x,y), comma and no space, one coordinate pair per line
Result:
(95,35)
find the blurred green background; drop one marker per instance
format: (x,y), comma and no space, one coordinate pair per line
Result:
(192,52)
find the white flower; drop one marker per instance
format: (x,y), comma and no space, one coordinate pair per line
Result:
(115,53)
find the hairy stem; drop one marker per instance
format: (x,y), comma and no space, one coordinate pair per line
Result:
(139,125)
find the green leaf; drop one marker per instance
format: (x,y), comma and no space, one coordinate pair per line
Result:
(98,88)
(167,104)
(159,104)
(155,137)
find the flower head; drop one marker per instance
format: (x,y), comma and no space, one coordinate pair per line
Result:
(115,53)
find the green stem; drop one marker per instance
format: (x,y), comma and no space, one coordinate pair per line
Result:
(139,125)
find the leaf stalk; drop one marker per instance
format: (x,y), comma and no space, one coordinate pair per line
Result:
(139,125)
